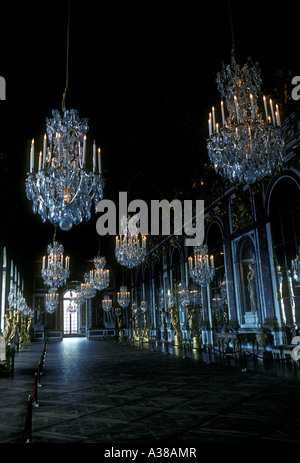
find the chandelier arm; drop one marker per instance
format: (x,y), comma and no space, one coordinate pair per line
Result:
(232,33)
(78,189)
(67,60)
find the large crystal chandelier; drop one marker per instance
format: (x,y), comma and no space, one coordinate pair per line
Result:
(57,271)
(246,145)
(130,249)
(201,267)
(99,277)
(63,188)
(123,296)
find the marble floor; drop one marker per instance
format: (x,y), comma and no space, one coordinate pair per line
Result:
(112,393)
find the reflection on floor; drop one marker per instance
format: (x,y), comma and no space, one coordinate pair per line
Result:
(107,392)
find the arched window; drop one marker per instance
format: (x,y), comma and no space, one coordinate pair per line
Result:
(175,268)
(70,313)
(218,286)
(248,275)
(284,210)
(3,287)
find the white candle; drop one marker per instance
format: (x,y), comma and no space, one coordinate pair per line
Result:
(44,149)
(84,150)
(40,160)
(44,262)
(32,156)
(222,111)
(217,127)
(252,105)
(213,120)
(278,115)
(94,156)
(190,259)
(236,109)
(266,109)
(272,111)
(209,125)
(59,148)
(117,242)
(99,160)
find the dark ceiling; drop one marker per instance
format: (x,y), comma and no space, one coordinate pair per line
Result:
(144,74)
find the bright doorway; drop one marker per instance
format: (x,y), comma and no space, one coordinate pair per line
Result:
(70,313)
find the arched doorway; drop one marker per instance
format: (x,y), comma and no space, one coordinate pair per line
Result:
(247,263)
(284,209)
(70,314)
(218,285)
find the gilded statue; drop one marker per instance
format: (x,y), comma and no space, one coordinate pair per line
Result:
(176,325)
(191,313)
(251,287)
(7,327)
(145,331)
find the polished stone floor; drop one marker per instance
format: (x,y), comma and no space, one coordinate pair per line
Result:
(107,392)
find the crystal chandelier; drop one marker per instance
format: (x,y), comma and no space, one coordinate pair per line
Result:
(246,146)
(13,297)
(106,303)
(63,188)
(51,302)
(296,266)
(144,306)
(130,250)
(99,277)
(123,296)
(17,301)
(72,307)
(183,295)
(134,308)
(80,295)
(87,287)
(171,298)
(56,272)
(118,312)
(201,268)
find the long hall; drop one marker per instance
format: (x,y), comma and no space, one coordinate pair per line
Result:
(113,393)
(149,225)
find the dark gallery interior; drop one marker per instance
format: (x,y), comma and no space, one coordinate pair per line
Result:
(149,233)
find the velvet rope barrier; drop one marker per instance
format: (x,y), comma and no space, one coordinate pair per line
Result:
(32,400)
